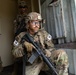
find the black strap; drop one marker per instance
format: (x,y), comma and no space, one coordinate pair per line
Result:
(24,57)
(24,64)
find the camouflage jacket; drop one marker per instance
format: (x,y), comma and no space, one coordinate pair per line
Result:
(41,36)
(19,24)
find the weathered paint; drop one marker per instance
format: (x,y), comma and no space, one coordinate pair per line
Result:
(60,20)
(61,24)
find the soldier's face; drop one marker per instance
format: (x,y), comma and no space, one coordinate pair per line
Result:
(23,10)
(34,26)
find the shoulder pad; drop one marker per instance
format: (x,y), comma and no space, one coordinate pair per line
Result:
(18,37)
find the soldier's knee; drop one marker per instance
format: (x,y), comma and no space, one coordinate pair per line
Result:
(60,57)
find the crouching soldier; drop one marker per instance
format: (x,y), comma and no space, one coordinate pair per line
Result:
(44,39)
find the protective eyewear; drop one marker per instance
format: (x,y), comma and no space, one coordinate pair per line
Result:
(35,22)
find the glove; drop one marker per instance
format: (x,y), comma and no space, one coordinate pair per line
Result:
(17,51)
(47,53)
(28,46)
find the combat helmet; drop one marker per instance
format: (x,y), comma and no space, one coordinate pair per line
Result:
(33,16)
(22,4)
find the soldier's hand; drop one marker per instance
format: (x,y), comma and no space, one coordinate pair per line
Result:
(28,46)
(47,53)
(18,51)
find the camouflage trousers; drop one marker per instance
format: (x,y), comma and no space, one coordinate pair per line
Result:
(59,57)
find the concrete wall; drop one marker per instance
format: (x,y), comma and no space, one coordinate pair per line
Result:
(7,14)
(72,60)
(35,6)
(28,2)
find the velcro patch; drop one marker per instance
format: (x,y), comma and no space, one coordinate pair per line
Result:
(49,37)
(16,43)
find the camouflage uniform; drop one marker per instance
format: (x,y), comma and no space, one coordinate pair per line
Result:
(19,22)
(58,57)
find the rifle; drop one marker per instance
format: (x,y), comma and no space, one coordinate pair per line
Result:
(38,52)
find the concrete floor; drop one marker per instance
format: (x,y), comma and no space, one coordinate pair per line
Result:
(8,71)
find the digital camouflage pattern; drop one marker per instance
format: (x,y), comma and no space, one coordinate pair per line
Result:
(58,57)
(34,16)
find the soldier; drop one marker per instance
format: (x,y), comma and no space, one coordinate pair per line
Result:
(19,22)
(20,26)
(58,57)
